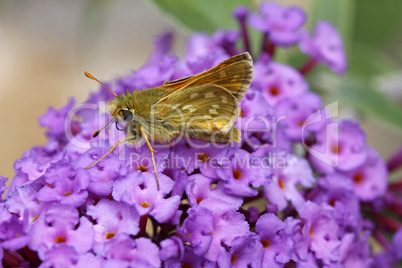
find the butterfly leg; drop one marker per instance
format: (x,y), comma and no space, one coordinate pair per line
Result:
(152,153)
(111,150)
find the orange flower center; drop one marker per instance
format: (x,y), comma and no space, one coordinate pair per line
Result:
(110,235)
(142,168)
(336,149)
(203,157)
(274,90)
(145,204)
(358,178)
(281,184)
(237,174)
(265,243)
(60,239)
(234,258)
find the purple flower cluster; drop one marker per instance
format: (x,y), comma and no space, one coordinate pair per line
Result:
(302,189)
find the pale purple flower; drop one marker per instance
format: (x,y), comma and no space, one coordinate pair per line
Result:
(277,82)
(13,232)
(370,178)
(293,112)
(246,251)
(123,251)
(321,231)
(197,155)
(89,260)
(172,250)
(277,243)
(198,229)
(356,252)
(61,255)
(289,173)
(198,188)
(54,121)
(255,115)
(239,172)
(23,199)
(325,46)
(140,190)
(105,172)
(65,185)
(281,23)
(337,191)
(112,218)
(58,226)
(340,146)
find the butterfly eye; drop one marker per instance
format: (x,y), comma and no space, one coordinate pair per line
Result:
(127,115)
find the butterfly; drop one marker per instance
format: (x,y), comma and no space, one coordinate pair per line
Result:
(204,107)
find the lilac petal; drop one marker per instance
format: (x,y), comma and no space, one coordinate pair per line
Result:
(140,251)
(3,186)
(89,260)
(326,46)
(49,231)
(343,148)
(199,228)
(165,209)
(227,227)
(370,179)
(60,256)
(246,251)
(199,188)
(171,249)
(13,233)
(162,46)
(397,244)
(112,218)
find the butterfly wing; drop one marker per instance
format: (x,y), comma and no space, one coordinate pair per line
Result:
(199,111)
(234,74)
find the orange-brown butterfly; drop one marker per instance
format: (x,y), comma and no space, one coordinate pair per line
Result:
(202,107)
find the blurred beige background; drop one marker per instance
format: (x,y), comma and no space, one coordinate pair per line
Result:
(47,45)
(45,49)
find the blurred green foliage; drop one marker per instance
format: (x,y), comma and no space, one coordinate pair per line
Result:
(371,33)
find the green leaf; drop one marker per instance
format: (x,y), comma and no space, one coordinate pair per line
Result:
(367,61)
(204,15)
(378,23)
(359,94)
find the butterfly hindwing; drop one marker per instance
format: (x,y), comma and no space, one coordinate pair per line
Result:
(205,109)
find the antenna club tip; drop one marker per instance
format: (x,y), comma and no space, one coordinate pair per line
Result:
(88,74)
(96,133)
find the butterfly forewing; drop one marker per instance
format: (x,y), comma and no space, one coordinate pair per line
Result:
(199,109)
(234,74)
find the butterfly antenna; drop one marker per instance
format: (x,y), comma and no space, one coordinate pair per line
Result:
(93,78)
(96,133)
